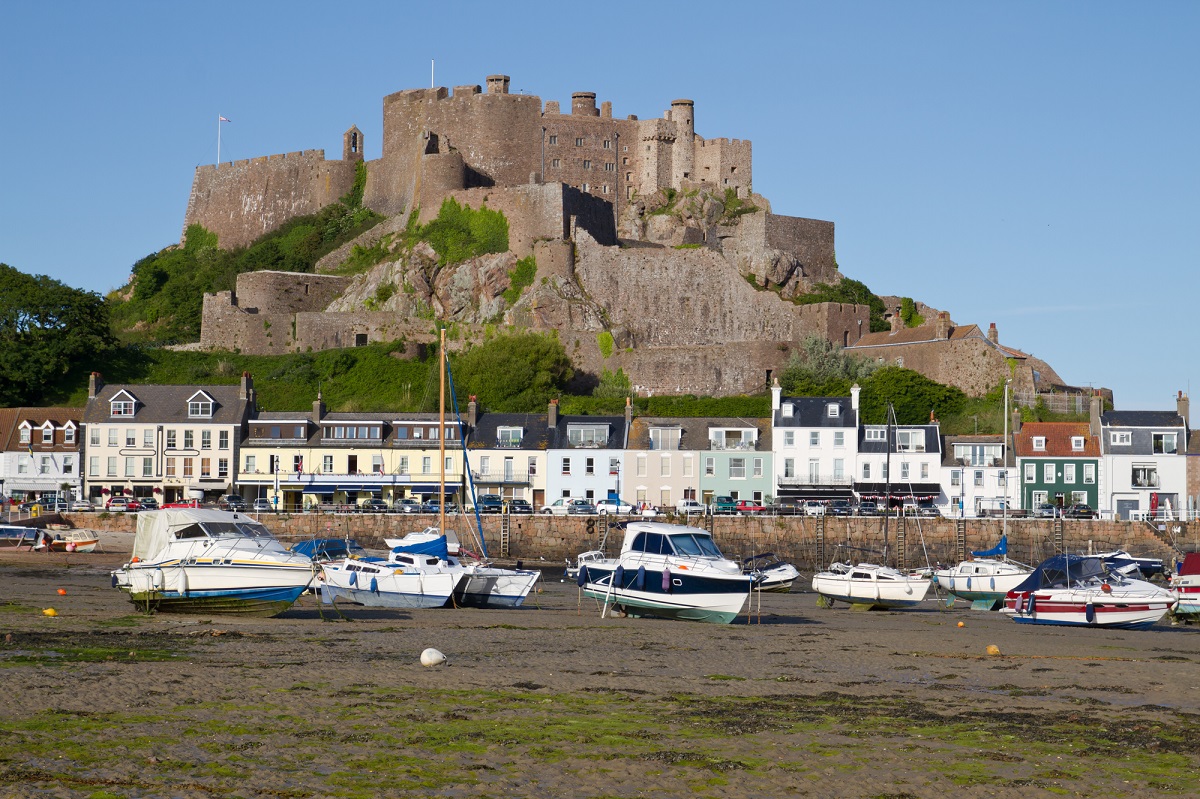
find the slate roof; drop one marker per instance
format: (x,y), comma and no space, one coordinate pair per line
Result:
(560,438)
(536,430)
(694,430)
(811,412)
(10,425)
(1058,437)
(157,404)
(1141,419)
(924,334)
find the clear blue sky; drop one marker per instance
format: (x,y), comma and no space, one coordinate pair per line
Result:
(1031,164)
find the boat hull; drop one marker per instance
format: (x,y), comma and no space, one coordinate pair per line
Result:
(494,588)
(689,597)
(261,603)
(380,587)
(1087,609)
(250,589)
(893,594)
(979,586)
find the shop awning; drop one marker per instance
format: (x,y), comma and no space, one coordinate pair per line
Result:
(815,492)
(899,491)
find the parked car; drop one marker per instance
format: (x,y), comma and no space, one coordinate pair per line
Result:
(689,506)
(519,506)
(814,507)
(840,507)
(1046,510)
(49,505)
(81,506)
(233,502)
(148,503)
(1079,511)
(262,505)
(787,507)
(868,507)
(581,507)
(724,505)
(749,506)
(490,503)
(373,505)
(434,506)
(406,505)
(121,504)
(613,505)
(557,508)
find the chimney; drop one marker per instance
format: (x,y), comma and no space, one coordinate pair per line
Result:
(247,387)
(95,383)
(472,411)
(1096,406)
(855,390)
(1181,407)
(941,328)
(1016,422)
(552,416)
(776,391)
(628,413)
(318,409)
(897,322)
(993,336)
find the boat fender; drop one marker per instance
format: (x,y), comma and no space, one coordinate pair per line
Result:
(639,582)
(1020,606)
(1089,613)
(666,584)
(1106,588)
(1031,607)
(993,583)
(353,578)
(968,583)
(618,580)
(582,579)
(374,586)
(114,581)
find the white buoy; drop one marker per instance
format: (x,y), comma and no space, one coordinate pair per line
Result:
(432,657)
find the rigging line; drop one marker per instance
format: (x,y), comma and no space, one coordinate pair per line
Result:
(462,437)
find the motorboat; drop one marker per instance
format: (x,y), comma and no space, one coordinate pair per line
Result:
(581,560)
(479,584)
(14,536)
(671,571)
(870,585)
(1132,566)
(983,580)
(770,573)
(193,560)
(1185,585)
(70,541)
(1080,590)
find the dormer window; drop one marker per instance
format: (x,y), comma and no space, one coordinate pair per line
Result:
(832,410)
(509,436)
(69,435)
(47,435)
(122,407)
(1039,443)
(1077,443)
(786,410)
(1121,439)
(200,406)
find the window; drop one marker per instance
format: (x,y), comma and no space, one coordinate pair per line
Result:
(403,464)
(737,468)
(187,468)
(111,466)
(44,465)
(1030,472)
(112,437)
(839,469)
(566,465)
(23,466)
(786,410)
(205,439)
(1068,473)
(449,465)
(1039,443)
(814,470)
(664,437)
(129,467)
(553,138)
(789,467)
(866,471)
(121,408)
(641,465)
(587,436)
(1089,473)
(1002,478)
(1048,473)
(509,436)
(556,163)
(426,465)
(170,468)
(1121,439)
(875,434)
(251,463)
(94,437)
(832,410)
(904,474)
(205,467)
(607,144)
(589,466)
(955,478)
(170,439)
(839,438)
(924,471)
(710,467)
(532,466)
(148,438)
(1077,443)
(131,438)
(814,438)
(147,467)
(200,409)
(25,439)
(485,464)
(614,465)
(1144,475)
(910,440)
(222,468)
(586,187)
(1039,498)
(47,435)
(579,142)
(94,466)
(758,467)
(223,439)
(789,439)
(1164,443)
(664,466)
(687,466)
(978,483)
(189,439)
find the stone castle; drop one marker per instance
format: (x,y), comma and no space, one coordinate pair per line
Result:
(640,264)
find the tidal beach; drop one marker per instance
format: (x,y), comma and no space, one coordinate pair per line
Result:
(553,700)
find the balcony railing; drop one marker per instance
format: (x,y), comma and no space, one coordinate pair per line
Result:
(732,446)
(815,480)
(511,476)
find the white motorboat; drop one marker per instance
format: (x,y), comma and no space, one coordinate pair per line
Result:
(581,560)
(671,571)
(192,560)
(1079,590)
(770,573)
(870,585)
(478,584)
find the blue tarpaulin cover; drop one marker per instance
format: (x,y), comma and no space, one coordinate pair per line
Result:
(999,549)
(434,546)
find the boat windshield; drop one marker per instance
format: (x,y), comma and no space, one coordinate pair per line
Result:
(696,544)
(247,529)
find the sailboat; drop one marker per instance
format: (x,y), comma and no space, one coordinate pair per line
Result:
(873,585)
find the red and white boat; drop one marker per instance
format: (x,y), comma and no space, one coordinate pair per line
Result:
(1186,586)
(1078,590)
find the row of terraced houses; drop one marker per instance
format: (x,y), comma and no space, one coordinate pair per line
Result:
(177,443)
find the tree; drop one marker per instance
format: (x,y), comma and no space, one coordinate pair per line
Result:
(513,373)
(822,369)
(613,384)
(913,395)
(48,332)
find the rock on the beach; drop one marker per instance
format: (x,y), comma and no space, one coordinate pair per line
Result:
(992,649)
(432,657)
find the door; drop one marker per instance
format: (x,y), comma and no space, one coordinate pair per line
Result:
(1125,507)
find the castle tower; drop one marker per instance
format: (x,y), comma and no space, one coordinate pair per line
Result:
(683,114)
(352,144)
(497,84)
(583,104)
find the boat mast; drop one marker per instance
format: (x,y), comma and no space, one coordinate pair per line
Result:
(442,433)
(1004,466)
(887,483)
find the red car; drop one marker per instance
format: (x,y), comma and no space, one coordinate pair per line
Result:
(122,503)
(749,506)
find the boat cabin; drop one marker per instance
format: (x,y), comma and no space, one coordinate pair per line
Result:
(689,542)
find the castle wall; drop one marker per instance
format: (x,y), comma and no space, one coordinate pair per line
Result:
(971,364)
(287,292)
(725,163)
(593,150)
(242,200)
(810,240)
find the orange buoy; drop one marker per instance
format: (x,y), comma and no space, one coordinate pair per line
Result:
(962,624)
(62,592)
(49,612)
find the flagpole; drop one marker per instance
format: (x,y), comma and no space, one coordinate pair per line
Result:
(218,141)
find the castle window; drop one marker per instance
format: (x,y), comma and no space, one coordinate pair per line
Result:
(625,162)
(604,189)
(610,167)
(629,192)
(555,163)
(360,339)
(586,187)
(687,174)
(554,138)
(579,142)
(733,170)
(726,181)
(587,164)
(629,176)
